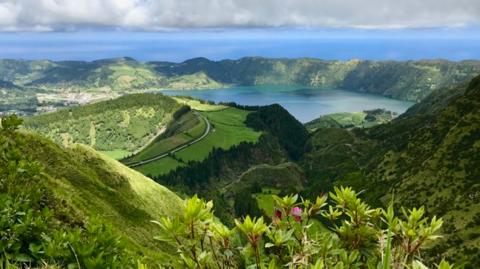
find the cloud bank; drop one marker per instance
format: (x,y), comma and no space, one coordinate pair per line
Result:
(71,15)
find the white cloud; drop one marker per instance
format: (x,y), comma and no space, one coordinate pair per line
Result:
(164,14)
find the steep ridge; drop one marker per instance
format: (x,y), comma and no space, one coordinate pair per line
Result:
(78,189)
(429,156)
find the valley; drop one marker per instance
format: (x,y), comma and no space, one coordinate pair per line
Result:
(171,147)
(50,85)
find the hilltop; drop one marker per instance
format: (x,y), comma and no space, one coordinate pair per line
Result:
(117,127)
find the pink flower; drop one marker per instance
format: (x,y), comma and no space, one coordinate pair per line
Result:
(297,213)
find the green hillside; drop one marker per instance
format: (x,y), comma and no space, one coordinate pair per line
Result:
(428,156)
(186,128)
(16,99)
(364,119)
(407,80)
(410,80)
(231,176)
(228,129)
(119,74)
(72,191)
(118,126)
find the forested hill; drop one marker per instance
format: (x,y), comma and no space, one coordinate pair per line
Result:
(120,126)
(408,80)
(429,156)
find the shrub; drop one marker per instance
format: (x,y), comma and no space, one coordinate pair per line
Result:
(357,236)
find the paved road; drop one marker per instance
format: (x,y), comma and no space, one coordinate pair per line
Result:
(155,158)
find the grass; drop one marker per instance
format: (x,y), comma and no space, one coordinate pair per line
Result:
(159,167)
(228,129)
(125,123)
(96,186)
(265,200)
(198,105)
(190,128)
(116,154)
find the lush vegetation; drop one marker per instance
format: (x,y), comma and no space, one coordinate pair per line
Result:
(364,119)
(14,98)
(35,226)
(277,121)
(126,123)
(359,236)
(428,156)
(411,80)
(122,74)
(180,131)
(74,207)
(228,129)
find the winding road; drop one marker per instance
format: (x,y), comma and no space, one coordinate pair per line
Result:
(155,158)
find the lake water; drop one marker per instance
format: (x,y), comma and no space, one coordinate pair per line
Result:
(304,103)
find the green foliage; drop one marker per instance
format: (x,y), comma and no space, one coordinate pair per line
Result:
(201,241)
(428,156)
(35,227)
(228,131)
(278,122)
(180,131)
(126,123)
(410,80)
(359,236)
(364,119)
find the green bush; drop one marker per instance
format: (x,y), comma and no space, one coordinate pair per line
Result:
(357,236)
(36,228)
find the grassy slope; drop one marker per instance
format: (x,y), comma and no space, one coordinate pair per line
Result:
(117,126)
(181,131)
(97,186)
(287,177)
(228,129)
(364,119)
(198,104)
(428,157)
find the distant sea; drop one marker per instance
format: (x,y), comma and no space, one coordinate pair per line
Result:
(177,46)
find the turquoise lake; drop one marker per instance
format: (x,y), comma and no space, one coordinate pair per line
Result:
(304,103)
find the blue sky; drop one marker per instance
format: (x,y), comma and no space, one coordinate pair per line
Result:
(175,30)
(339,44)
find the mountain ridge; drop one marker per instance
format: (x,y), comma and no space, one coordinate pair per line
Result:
(428,156)
(406,80)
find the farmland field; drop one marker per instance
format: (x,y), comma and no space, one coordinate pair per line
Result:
(228,129)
